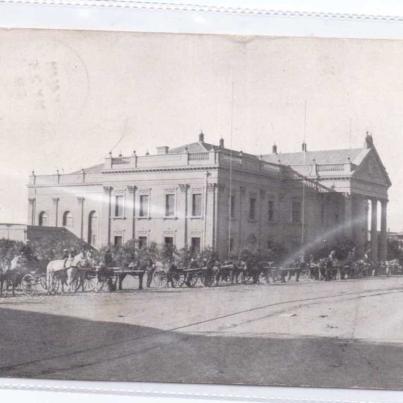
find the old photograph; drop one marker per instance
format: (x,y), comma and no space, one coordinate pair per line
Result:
(202,209)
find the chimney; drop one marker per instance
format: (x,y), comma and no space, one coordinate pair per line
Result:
(201,137)
(274,149)
(108,161)
(221,142)
(315,167)
(369,141)
(162,150)
(304,148)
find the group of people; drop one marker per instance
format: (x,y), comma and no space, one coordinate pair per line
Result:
(324,268)
(331,267)
(235,269)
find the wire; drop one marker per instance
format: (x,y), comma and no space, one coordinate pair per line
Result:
(124,134)
(303,183)
(230,212)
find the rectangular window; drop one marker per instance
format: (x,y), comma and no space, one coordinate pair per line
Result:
(119,206)
(195,242)
(118,241)
(270,212)
(143,212)
(231,244)
(232,206)
(196,204)
(142,242)
(169,241)
(169,205)
(252,208)
(296,212)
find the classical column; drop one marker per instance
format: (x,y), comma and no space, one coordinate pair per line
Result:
(81,202)
(132,191)
(214,243)
(360,220)
(383,245)
(32,213)
(217,190)
(56,206)
(184,188)
(242,192)
(205,211)
(212,188)
(108,192)
(262,195)
(348,216)
(374,230)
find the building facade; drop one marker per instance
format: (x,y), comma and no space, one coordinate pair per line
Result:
(201,195)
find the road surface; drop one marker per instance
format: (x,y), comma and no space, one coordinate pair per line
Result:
(320,334)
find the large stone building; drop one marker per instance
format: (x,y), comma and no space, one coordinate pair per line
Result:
(202,195)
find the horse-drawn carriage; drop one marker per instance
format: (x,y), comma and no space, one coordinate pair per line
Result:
(391,267)
(327,269)
(101,278)
(21,274)
(178,274)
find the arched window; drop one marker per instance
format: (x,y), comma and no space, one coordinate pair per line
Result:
(67,219)
(43,219)
(92,227)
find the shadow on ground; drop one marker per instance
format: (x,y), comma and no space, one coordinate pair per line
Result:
(36,345)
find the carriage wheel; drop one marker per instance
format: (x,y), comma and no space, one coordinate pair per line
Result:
(28,284)
(208,280)
(191,280)
(178,279)
(246,278)
(76,283)
(91,283)
(304,275)
(102,284)
(160,279)
(54,286)
(42,282)
(241,277)
(264,277)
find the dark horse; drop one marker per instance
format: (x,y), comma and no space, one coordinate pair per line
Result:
(252,270)
(11,273)
(327,269)
(137,269)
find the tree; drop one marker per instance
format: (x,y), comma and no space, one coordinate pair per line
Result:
(394,250)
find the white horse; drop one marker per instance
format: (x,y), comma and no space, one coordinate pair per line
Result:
(16,263)
(63,270)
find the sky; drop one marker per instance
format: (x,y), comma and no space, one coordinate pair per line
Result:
(69,97)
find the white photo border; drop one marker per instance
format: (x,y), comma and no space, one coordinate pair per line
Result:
(178,17)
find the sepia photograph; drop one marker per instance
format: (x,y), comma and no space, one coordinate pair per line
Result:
(203,209)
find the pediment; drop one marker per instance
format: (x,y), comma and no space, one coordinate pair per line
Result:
(371,169)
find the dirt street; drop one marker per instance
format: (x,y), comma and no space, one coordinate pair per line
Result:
(321,334)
